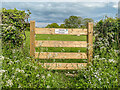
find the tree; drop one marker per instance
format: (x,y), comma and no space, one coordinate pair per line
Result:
(86,20)
(53,25)
(73,22)
(62,26)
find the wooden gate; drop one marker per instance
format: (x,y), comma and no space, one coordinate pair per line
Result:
(61,55)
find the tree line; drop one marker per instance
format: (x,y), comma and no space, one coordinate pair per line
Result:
(72,22)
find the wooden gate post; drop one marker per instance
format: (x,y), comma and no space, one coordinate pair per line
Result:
(90,41)
(32,38)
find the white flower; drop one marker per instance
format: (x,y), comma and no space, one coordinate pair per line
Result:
(97,56)
(13,50)
(13,76)
(49,75)
(14,56)
(10,62)
(9,83)
(22,71)
(2,71)
(48,86)
(37,75)
(19,86)
(17,61)
(99,79)
(17,79)
(26,75)
(111,60)
(28,57)
(43,77)
(18,70)
(1,58)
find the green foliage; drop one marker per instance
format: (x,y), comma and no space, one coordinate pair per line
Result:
(62,26)
(73,22)
(106,34)
(13,30)
(86,20)
(19,70)
(53,25)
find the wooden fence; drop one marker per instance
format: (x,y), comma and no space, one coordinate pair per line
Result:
(61,55)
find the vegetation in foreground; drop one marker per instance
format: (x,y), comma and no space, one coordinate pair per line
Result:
(19,70)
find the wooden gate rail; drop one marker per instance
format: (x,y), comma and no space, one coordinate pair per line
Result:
(60,55)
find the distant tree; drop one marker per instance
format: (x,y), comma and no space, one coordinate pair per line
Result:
(86,20)
(62,26)
(53,25)
(73,22)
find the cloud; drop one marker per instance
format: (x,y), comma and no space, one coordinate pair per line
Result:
(115,5)
(57,12)
(60,0)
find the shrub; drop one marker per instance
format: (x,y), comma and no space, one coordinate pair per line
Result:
(13,30)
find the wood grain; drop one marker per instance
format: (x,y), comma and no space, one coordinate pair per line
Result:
(52,31)
(90,41)
(43,43)
(60,55)
(32,38)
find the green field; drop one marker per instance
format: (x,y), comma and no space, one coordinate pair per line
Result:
(59,49)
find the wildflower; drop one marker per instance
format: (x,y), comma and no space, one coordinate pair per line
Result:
(18,69)
(28,57)
(37,75)
(17,79)
(13,76)
(43,77)
(17,61)
(35,67)
(111,60)
(99,79)
(2,71)
(49,75)
(19,86)
(97,56)
(14,57)
(117,51)
(13,50)
(26,75)
(1,58)
(22,71)
(48,86)
(9,83)
(10,62)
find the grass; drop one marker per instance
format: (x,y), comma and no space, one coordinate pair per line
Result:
(60,37)
(59,49)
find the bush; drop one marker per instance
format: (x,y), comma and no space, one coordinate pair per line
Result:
(13,30)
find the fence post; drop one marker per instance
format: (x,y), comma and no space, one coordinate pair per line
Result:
(90,41)
(32,38)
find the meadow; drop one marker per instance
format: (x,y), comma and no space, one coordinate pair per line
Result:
(20,70)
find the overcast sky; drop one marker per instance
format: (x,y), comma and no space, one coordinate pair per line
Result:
(55,12)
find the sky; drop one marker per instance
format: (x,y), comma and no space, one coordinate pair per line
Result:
(56,11)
